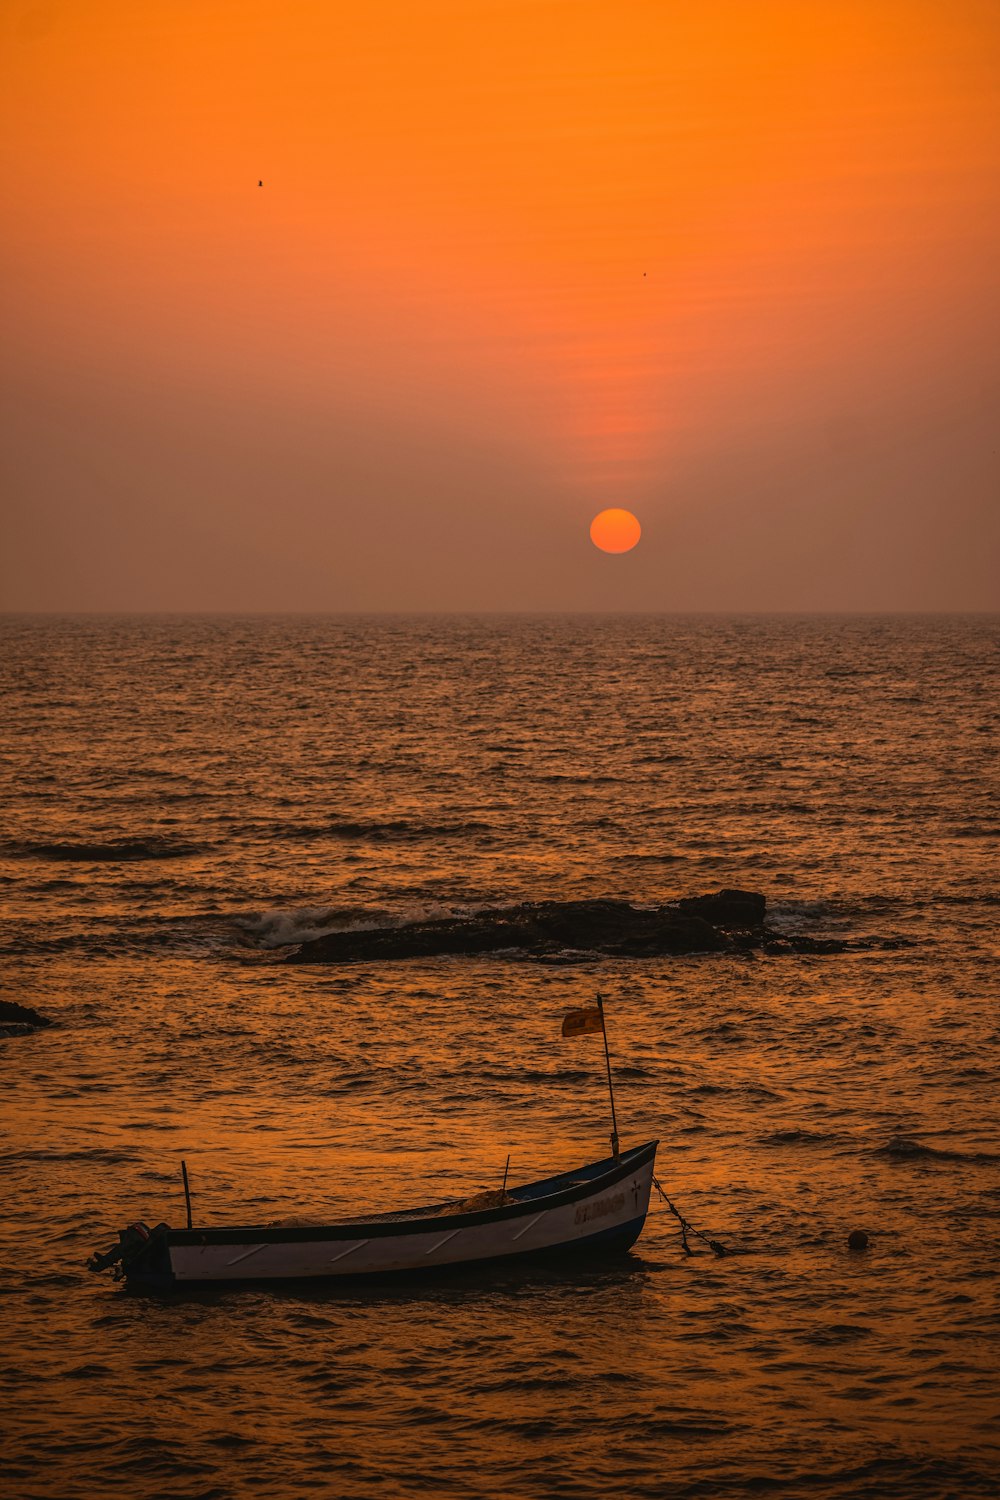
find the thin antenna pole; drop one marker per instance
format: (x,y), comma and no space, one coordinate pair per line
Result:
(611,1089)
(187,1191)
(503,1190)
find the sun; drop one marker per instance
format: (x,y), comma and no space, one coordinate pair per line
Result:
(615,531)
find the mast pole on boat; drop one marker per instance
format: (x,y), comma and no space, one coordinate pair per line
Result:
(611,1089)
(187,1192)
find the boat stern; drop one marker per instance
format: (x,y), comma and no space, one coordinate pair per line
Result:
(141,1254)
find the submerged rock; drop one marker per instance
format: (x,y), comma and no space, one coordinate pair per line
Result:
(16,1019)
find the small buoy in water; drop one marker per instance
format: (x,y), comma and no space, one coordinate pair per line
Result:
(857,1240)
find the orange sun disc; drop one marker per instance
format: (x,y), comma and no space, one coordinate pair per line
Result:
(615,531)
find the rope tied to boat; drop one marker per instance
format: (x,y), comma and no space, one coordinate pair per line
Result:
(687,1227)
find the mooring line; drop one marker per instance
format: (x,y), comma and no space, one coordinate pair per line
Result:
(713,1245)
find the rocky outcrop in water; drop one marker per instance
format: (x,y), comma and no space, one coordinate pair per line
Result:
(17,1019)
(728,921)
(743,909)
(534,927)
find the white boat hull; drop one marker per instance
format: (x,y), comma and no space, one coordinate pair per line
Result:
(598,1208)
(600,1214)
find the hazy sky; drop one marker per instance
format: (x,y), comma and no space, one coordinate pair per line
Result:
(730,264)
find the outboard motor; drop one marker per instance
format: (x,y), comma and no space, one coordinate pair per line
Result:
(133,1243)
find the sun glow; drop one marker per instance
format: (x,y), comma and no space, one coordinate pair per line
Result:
(615,530)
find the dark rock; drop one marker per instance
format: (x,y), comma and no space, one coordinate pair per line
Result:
(857,1240)
(539,928)
(727,908)
(15,1019)
(731,921)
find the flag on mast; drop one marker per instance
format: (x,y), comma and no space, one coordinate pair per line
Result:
(591,1018)
(583,1020)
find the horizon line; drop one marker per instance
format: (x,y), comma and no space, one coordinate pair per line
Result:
(242,614)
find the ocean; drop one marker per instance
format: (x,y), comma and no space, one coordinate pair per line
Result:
(188,798)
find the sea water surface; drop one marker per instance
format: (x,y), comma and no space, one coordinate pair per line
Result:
(186,798)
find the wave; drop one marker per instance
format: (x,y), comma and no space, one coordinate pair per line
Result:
(157,846)
(802,911)
(794,1138)
(647,859)
(376,829)
(902,1148)
(791,911)
(107,1156)
(583,778)
(105,850)
(277,928)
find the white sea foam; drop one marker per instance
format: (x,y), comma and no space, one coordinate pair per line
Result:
(277,928)
(283,927)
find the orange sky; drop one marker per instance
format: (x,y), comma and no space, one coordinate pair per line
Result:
(732,266)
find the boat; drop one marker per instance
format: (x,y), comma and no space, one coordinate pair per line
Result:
(598,1209)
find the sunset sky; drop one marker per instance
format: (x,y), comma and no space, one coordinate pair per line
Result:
(731,265)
